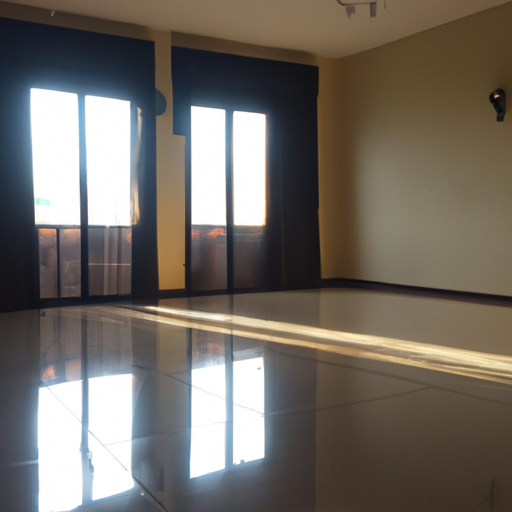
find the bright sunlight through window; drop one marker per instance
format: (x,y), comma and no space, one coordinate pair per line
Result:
(208,175)
(107,126)
(55,157)
(249,149)
(56,160)
(208,131)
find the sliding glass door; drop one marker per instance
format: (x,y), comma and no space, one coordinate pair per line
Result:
(228,199)
(82,172)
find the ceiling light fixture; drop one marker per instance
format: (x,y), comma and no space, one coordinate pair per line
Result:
(350,7)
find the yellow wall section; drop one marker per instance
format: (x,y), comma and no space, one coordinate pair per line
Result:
(170,151)
(415,172)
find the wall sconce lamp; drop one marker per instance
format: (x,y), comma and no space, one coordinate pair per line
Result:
(498,98)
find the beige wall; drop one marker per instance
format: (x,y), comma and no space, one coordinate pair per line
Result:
(415,172)
(170,164)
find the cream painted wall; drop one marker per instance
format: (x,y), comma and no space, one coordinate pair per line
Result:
(415,172)
(170,164)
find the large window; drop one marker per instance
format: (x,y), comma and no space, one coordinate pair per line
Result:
(81,153)
(209,167)
(228,198)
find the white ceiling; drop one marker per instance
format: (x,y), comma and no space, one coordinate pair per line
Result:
(321,27)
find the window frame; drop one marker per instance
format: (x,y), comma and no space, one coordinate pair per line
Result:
(85,296)
(230,107)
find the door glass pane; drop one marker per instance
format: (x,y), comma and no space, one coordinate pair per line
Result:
(208,199)
(249,256)
(110,258)
(55,157)
(124,259)
(47,263)
(69,262)
(107,124)
(249,156)
(56,175)
(108,195)
(249,199)
(208,166)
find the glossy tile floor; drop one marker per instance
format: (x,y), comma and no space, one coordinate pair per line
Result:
(319,400)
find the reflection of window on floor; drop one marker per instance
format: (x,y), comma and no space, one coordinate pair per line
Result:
(228,402)
(64,453)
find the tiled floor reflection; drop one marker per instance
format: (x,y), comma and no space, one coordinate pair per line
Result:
(317,400)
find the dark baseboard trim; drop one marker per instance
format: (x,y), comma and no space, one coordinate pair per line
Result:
(353,284)
(419,291)
(79,301)
(181,293)
(172,294)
